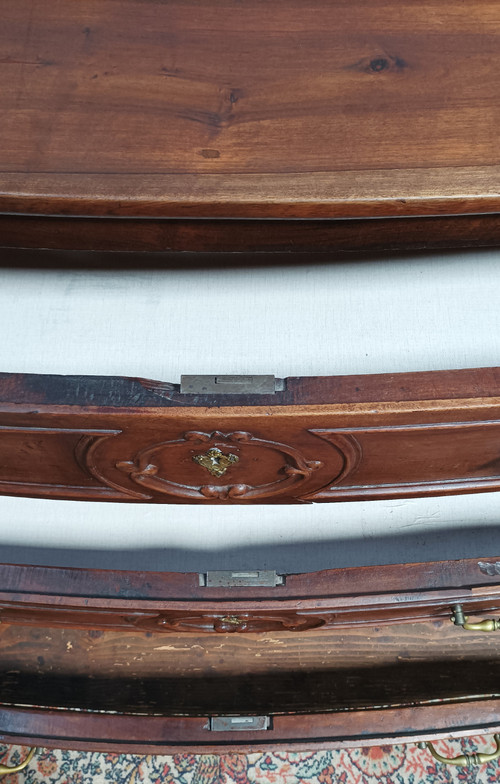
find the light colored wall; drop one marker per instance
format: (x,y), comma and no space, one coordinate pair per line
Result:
(427,312)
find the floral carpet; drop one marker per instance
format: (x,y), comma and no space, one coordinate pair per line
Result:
(387,764)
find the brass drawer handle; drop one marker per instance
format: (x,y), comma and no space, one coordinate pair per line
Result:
(459,619)
(464,759)
(5,769)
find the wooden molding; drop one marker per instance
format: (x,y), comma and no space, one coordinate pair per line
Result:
(175,603)
(40,240)
(166,735)
(315,440)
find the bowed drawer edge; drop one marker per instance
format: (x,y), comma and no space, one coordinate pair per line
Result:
(250,439)
(234,602)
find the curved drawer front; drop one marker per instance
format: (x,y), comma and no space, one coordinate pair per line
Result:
(311,675)
(313,439)
(165,735)
(234,603)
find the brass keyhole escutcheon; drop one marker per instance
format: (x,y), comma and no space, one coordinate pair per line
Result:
(232,620)
(215,461)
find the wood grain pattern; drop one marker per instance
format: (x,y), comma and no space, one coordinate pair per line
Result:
(177,603)
(184,677)
(44,650)
(331,707)
(250,237)
(131,734)
(318,440)
(134,689)
(286,110)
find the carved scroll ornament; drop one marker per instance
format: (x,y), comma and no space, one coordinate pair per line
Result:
(242,623)
(245,459)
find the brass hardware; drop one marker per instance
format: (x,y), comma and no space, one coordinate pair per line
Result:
(464,759)
(459,619)
(233,620)
(6,769)
(215,461)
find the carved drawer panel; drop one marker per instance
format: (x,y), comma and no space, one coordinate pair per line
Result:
(316,439)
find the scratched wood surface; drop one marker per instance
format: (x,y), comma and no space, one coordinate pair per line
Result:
(222,109)
(135,691)
(87,652)
(273,672)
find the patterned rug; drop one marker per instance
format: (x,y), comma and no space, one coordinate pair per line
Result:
(387,764)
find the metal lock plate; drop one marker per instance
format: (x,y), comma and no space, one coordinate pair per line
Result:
(230,385)
(239,723)
(241,579)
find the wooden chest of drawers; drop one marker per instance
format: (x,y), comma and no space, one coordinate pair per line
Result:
(260,129)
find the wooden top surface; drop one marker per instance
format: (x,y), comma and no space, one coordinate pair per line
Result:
(219,108)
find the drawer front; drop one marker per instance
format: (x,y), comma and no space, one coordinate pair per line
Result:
(166,735)
(236,603)
(92,444)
